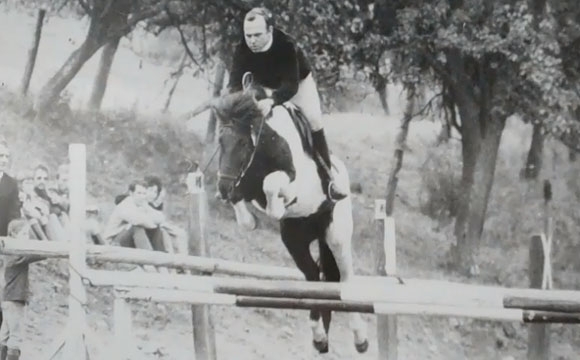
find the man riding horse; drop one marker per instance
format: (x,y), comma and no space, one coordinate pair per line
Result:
(276,63)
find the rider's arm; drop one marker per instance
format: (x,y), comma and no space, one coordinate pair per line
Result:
(288,69)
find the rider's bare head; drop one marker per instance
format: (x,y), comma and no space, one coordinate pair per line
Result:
(258,26)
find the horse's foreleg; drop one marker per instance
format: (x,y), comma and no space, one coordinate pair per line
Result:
(339,240)
(274,188)
(244,217)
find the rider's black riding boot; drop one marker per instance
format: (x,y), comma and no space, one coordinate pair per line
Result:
(3,352)
(321,147)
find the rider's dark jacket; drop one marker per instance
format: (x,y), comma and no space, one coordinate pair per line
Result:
(281,67)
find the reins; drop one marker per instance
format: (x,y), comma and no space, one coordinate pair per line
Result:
(245,169)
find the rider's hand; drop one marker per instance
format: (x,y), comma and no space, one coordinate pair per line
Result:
(265,106)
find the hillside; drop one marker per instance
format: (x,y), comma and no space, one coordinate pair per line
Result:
(119,148)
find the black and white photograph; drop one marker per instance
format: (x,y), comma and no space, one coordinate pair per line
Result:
(289,179)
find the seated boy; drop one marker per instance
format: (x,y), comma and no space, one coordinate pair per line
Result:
(133,223)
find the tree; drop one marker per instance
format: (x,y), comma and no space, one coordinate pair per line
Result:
(109,19)
(493,62)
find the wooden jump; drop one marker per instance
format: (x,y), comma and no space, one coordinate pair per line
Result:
(116,254)
(361,289)
(385,308)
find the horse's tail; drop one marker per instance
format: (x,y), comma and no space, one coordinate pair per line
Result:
(328,272)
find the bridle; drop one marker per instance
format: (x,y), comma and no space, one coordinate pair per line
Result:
(237,179)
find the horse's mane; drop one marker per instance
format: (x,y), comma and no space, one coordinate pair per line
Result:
(239,107)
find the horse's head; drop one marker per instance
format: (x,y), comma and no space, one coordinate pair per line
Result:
(237,115)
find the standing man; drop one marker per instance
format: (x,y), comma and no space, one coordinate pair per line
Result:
(277,63)
(9,200)
(9,203)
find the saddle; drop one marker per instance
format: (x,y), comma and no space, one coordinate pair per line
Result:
(303,127)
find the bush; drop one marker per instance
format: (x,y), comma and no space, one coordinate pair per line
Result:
(440,182)
(121,146)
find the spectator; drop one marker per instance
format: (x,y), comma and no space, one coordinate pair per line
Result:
(15,294)
(133,223)
(156,192)
(39,207)
(59,197)
(156,199)
(9,200)
(26,186)
(9,194)
(92,226)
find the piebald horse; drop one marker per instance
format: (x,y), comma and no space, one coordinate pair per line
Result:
(268,161)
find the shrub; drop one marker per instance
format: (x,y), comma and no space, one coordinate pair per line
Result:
(440,183)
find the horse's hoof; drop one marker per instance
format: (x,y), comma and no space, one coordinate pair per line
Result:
(362,347)
(321,346)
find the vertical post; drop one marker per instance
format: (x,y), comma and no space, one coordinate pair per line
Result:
(387,262)
(538,334)
(387,324)
(75,346)
(203,329)
(540,274)
(123,331)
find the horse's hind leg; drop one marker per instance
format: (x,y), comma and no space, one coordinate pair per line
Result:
(296,238)
(339,240)
(331,273)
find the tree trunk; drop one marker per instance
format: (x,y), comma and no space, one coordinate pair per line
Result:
(32,53)
(177,76)
(100,85)
(470,138)
(480,149)
(108,20)
(51,91)
(445,133)
(534,160)
(381,89)
(217,89)
(572,155)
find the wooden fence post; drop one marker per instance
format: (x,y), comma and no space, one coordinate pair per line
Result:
(538,334)
(203,327)
(74,342)
(123,329)
(540,274)
(387,324)
(387,263)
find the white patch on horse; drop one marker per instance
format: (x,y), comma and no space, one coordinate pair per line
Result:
(307,181)
(276,187)
(339,240)
(318,333)
(244,217)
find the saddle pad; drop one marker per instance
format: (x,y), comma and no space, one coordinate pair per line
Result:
(303,127)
